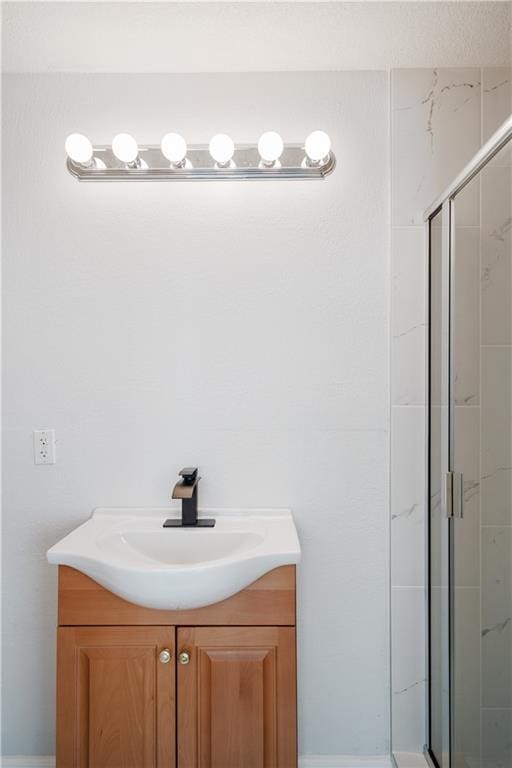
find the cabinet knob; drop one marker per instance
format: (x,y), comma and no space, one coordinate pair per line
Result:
(165,656)
(184,657)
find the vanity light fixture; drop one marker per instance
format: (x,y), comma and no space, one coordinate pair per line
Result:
(221,159)
(81,152)
(79,149)
(222,150)
(125,149)
(270,147)
(318,147)
(174,148)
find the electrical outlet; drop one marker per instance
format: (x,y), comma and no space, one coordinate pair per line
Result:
(44,446)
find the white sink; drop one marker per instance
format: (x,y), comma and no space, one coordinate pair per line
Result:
(128,552)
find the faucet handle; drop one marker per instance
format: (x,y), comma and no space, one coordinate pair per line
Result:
(189,475)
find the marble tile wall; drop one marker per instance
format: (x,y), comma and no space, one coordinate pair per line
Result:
(440,118)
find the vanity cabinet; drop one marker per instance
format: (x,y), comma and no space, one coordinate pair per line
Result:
(236,697)
(213,687)
(116,700)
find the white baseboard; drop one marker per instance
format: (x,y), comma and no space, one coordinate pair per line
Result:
(305,761)
(344,761)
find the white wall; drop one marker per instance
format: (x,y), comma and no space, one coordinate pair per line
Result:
(242,327)
(252,36)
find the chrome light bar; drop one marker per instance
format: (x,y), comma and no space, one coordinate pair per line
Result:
(127,161)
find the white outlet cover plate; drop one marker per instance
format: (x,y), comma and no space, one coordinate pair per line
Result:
(44,446)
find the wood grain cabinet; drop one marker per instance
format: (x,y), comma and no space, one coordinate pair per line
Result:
(236,697)
(116,700)
(209,688)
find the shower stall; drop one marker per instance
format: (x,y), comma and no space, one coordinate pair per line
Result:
(469,473)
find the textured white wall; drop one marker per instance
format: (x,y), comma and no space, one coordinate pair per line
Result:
(253,36)
(242,327)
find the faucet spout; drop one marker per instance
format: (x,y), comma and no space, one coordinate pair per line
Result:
(186,490)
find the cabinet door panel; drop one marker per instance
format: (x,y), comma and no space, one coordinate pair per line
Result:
(237,698)
(115,702)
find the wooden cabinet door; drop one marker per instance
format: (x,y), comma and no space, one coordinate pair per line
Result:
(115,698)
(237,697)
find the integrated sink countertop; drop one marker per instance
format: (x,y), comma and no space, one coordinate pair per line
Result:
(128,552)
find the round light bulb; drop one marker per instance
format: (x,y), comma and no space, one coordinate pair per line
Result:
(174,147)
(125,148)
(270,147)
(317,146)
(222,148)
(79,148)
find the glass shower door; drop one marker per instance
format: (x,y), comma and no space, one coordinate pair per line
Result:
(481,254)
(470,472)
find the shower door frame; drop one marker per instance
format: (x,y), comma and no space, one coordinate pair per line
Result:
(446,350)
(444,204)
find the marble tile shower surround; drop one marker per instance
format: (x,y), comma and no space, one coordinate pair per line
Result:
(436,125)
(439,120)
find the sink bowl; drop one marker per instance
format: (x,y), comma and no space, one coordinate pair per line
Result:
(128,552)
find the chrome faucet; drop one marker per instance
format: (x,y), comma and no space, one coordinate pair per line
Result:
(186,490)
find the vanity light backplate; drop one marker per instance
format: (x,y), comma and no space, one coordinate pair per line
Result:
(201,166)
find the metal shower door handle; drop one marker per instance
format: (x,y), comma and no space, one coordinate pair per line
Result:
(454,494)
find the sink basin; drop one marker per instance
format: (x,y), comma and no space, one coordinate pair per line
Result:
(128,552)
(193,547)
